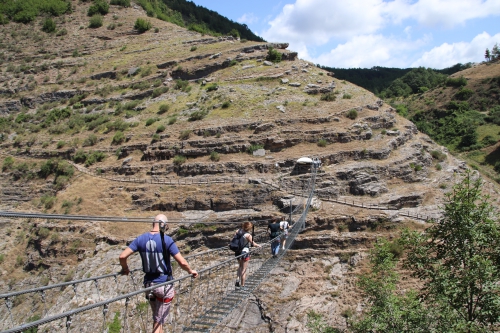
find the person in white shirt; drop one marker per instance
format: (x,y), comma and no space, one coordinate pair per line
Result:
(284,225)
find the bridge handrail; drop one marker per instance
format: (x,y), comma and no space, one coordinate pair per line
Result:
(70,313)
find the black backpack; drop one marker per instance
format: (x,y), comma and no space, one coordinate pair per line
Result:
(238,242)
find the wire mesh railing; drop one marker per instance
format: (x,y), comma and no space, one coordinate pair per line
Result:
(131,310)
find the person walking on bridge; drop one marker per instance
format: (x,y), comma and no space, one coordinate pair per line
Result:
(274,231)
(155,249)
(284,225)
(245,230)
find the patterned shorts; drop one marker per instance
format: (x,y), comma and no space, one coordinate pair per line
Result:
(160,304)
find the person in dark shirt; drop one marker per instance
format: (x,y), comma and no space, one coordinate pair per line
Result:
(157,269)
(274,229)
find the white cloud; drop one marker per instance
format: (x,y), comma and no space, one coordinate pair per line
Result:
(318,21)
(448,13)
(369,51)
(248,18)
(446,55)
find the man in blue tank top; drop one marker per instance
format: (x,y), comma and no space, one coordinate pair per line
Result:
(157,269)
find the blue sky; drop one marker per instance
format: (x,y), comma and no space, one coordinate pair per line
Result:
(367,33)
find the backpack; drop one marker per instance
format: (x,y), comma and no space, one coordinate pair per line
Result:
(238,242)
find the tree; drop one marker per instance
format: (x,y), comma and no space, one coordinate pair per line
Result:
(495,52)
(458,258)
(142,25)
(273,55)
(388,310)
(487,54)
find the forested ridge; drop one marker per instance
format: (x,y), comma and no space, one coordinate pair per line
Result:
(386,81)
(181,12)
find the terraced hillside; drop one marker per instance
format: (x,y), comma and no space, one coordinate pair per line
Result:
(112,122)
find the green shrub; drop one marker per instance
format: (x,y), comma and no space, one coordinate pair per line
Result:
(118,138)
(115,326)
(68,277)
(91,140)
(8,163)
(458,82)
(439,167)
(185,135)
(95,21)
(98,7)
(142,25)
(60,144)
(49,25)
(3,20)
(182,85)
(146,72)
(159,91)
(464,94)
(226,104)
(488,140)
(253,148)
(123,3)
(155,138)
(19,261)
(328,97)
(79,157)
(197,115)
(172,120)
(160,128)
(212,87)
(214,156)
(43,233)
(2,258)
(94,157)
(47,201)
(347,96)
(436,154)
(402,110)
(352,114)
(193,48)
(179,159)
(235,33)
(163,108)
(322,143)
(62,32)
(151,121)
(273,55)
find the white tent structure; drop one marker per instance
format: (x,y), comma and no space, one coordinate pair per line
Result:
(304,160)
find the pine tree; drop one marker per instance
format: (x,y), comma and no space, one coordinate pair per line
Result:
(487,54)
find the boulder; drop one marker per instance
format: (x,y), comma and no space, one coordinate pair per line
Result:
(259,152)
(267,63)
(263,128)
(294,84)
(133,71)
(285,81)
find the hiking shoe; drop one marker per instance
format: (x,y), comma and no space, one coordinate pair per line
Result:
(237,284)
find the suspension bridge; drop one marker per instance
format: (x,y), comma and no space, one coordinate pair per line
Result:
(199,305)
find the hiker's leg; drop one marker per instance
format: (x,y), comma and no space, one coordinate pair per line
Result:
(244,272)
